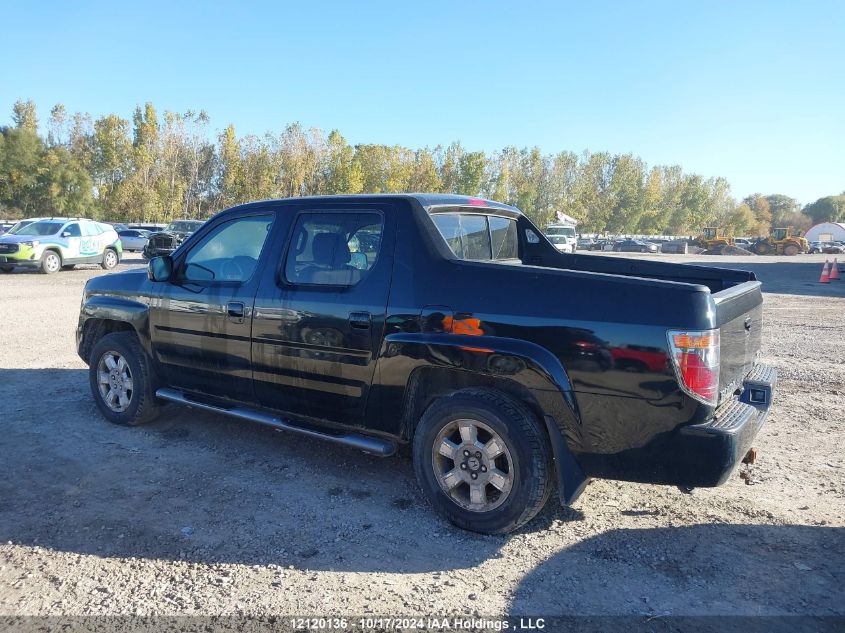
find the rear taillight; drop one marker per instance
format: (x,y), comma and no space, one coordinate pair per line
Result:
(695,356)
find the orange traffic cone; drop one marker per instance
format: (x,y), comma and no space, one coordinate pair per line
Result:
(834,270)
(825,278)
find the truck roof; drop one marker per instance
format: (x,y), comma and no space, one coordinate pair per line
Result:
(429,201)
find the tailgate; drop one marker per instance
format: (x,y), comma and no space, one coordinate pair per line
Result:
(739,313)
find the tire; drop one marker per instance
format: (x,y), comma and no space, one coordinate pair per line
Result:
(7,269)
(110,259)
(791,250)
(523,470)
(761,248)
(51,262)
(140,404)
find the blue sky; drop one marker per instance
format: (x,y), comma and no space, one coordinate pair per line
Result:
(752,91)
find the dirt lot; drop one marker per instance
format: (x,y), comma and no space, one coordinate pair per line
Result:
(199,514)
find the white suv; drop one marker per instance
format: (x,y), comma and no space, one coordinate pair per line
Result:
(50,244)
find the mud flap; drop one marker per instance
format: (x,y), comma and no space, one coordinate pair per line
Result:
(571,480)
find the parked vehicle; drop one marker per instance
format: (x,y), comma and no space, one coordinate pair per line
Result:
(562,236)
(635,246)
(55,243)
(134,239)
(832,248)
(442,331)
(149,228)
(166,241)
(585,244)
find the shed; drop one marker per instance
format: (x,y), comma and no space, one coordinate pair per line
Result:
(827,232)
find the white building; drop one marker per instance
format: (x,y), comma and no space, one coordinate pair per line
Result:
(827,232)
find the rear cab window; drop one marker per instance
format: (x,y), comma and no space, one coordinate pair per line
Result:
(479,237)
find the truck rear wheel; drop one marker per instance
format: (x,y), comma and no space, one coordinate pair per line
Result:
(122,381)
(761,248)
(483,460)
(109,259)
(791,250)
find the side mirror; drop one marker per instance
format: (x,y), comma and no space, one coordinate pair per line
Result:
(160,268)
(65,233)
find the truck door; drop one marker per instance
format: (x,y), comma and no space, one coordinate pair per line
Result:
(200,321)
(319,320)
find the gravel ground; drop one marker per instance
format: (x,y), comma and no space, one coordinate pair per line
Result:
(199,514)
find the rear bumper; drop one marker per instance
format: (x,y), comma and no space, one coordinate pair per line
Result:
(707,453)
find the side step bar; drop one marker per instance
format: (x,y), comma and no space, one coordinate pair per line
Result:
(371,445)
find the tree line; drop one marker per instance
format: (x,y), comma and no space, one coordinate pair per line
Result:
(154,168)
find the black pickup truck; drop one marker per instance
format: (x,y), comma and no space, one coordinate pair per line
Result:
(446,326)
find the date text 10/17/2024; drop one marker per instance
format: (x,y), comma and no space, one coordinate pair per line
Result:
(416,623)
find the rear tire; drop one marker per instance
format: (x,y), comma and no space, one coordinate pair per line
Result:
(122,380)
(110,259)
(492,479)
(791,250)
(761,248)
(51,262)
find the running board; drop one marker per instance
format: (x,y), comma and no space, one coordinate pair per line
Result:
(371,445)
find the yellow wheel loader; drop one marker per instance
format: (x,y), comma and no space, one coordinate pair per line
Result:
(781,242)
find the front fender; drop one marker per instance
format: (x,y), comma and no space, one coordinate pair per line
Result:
(109,309)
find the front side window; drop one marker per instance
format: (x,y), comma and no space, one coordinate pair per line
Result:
(73,229)
(333,249)
(230,252)
(478,237)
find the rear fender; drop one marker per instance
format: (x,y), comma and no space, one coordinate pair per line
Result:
(521,368)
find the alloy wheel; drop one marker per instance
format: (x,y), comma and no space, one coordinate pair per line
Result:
(472,464)
(114,379)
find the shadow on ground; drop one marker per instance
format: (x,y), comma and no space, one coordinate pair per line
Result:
(715,569)
(787,277)
(202,487)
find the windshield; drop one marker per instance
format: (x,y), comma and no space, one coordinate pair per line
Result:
(41,228)
(17,227)
(183,227)
(565,231)
(557,239)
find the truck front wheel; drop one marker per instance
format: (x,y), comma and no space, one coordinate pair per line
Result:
(483,460)
(122,381)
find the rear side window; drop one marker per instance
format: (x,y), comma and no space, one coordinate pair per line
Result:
(504,237)
(333,249)
(478,237)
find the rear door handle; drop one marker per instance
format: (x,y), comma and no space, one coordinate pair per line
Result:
(235,311)
(360,320)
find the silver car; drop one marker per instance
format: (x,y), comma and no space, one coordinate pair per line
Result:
(134,239)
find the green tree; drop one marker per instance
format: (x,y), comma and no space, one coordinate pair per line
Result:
(24,116)
(827,209)
(64,187)
(21,153)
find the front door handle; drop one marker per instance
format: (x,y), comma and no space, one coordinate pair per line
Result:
(235,311)
(359,320)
